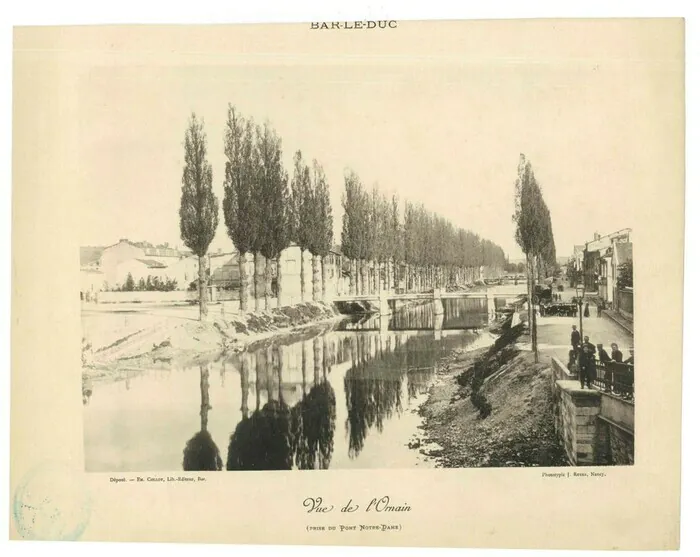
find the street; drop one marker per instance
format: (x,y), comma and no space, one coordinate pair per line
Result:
(554,333)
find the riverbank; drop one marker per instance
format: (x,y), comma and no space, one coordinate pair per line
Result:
(187,341)
(490,408)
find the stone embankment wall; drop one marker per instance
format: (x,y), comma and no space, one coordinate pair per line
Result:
(594,428)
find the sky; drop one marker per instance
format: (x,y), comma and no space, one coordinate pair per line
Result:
(437,115)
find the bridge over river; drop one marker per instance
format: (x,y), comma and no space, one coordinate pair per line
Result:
(383,301)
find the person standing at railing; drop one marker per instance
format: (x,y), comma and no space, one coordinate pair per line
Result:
(587,364)
(615,353)
(605,359)
(572,366)
(575,337)
(603,356)
(630,360)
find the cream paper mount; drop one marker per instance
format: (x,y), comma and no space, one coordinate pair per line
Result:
(337,434)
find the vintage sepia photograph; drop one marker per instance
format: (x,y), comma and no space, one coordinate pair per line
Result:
(292,267)
(351,278)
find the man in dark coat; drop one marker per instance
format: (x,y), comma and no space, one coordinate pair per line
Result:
(575,337)
(587,364)
(604,358)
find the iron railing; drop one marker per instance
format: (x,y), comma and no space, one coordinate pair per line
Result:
(615,378)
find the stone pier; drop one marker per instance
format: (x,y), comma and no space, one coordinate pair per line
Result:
(491,305)
(437,302)
(576,420)
(595,428)
(384,325)
(384,307)
(437,326)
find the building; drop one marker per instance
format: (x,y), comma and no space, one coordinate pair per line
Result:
(577,257)
(598,262)
(107,268)
(184,271)
(141,259)
(92,278)
(224,270)
(140,269)
(623,297)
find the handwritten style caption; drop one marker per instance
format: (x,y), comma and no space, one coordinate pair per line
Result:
(316,505)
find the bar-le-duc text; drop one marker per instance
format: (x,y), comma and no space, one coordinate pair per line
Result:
(347,25)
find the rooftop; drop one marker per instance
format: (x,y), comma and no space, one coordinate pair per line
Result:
(90,254)
(151,264)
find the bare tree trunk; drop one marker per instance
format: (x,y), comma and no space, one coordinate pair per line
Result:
(243,271)
(315,278)
(353,277)
(256,297)
(302,275)
(279,280)
(368,276)
(377,277)
(340,284)
(204,395)
(203,310)
(324,279)
(245,370)
(268,282)
(277,363)
(532,314)
(317,348)
(303,367)
(363,277)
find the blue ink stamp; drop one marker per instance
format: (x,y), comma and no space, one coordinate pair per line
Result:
(52,503)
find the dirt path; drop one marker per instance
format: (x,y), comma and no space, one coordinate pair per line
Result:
(186,342)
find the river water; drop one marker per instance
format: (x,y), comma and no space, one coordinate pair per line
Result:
(343,397)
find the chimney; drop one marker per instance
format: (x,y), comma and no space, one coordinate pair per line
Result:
(596,236)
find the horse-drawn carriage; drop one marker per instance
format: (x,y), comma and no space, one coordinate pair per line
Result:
(559,309)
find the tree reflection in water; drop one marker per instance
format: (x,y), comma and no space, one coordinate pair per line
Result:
(374,383)
(315,417)
(277,437)
(372,394)
(201,453)
(387,372)
(264,440)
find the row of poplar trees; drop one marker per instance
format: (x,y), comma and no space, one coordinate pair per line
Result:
(533,233)
(263,212)
(387,245)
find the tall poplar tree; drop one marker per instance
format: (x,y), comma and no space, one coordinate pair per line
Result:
(351,235)
(531,231)
(303,208)
(322,231)
(274,197)
(240,210)
(395,242)
(199,208)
